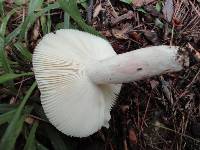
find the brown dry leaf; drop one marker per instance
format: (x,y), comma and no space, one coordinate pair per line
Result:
(106,33)
(132,136)
(194,52)
(135,36)
(9,1)
(122,33)
(97,10)
(13,100)
(166,88)
(139,3)
(168,10)
(152,37)
(36,30)
(154,84)
(29,120)
(129,15)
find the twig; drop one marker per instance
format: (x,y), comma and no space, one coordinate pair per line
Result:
(144,116)
(184,135)
(195,53)
(189,85)
(197,11)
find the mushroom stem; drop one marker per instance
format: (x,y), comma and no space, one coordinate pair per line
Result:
(138,64)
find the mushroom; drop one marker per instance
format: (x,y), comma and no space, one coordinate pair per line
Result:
(80,75)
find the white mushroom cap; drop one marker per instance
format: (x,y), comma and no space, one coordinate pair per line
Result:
(72,102)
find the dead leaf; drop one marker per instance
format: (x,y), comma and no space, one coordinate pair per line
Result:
(106,33)
(129,15)
(36,30)
(154,84)
(135,36)
(152,37)
(29,120)
(166,88)
(139,3)
(168,10)
(132,136)
(194,52)
(97,10)
(9,1)
(122,33)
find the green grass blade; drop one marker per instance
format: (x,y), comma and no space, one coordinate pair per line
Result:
(25,53)
(3,57)
(1,9)
(12,132)
(70,6)
(6,117)
(49,22)
(30,142)
(56,141)
(12,35)
(46,23)
(8,142)
(5,21)
(43,24)
(29,20)
(66,20)
(34,5)
(10,76)
(40,146)
(7,107)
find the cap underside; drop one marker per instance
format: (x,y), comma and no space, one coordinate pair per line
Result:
(72,102)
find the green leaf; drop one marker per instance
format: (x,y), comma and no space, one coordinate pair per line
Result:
(30,142)
(141,10)
(34,5)
(10,76)
(159,23)
(127,1)
(15,126)
(159,6)
(25,53)
(70,6)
